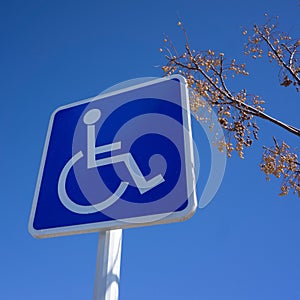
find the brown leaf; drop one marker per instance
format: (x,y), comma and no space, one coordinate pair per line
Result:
(286,82)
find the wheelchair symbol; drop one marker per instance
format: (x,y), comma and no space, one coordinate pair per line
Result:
(143,185)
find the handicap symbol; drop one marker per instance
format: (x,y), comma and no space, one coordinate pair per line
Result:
(143,185)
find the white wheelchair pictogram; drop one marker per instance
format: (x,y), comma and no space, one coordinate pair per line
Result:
(143,185)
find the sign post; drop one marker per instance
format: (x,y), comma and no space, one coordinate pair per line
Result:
(119,160)
(108,265)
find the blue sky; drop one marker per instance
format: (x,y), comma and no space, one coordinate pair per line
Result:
(243,245)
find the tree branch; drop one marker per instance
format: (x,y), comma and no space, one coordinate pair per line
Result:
(237,103)
(279,58)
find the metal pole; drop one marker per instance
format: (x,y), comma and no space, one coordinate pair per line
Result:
(108,265)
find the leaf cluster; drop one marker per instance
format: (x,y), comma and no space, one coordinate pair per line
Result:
(277,46)
(281,162)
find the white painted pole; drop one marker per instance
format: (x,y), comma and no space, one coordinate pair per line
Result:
(108,265)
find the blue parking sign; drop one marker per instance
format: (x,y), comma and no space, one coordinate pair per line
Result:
(121,159)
